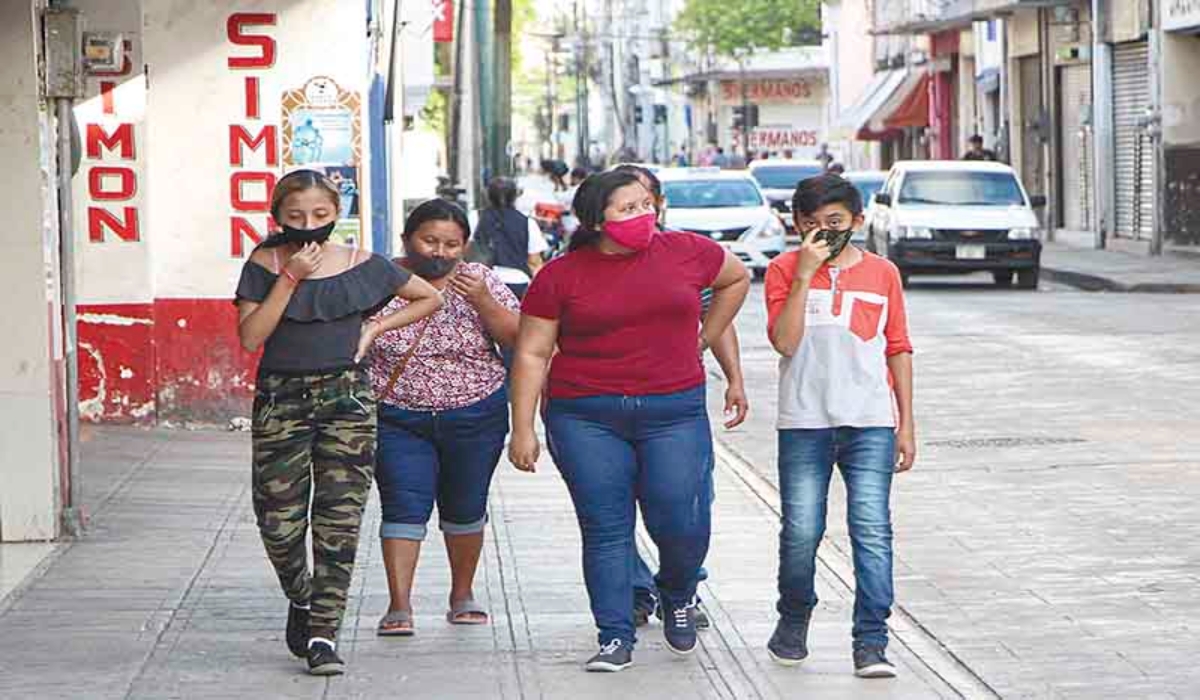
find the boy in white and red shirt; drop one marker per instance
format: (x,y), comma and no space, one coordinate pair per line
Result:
(836,315)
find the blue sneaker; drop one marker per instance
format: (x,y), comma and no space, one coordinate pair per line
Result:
(613,657)
(789,644)
(872,662)
(679,627)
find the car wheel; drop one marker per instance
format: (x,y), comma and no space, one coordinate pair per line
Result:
(1003,278)
(1028,279)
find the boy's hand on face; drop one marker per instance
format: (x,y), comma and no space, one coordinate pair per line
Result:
(813,254)
(906,449)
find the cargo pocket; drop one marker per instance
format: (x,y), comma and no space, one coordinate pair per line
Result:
(864,319)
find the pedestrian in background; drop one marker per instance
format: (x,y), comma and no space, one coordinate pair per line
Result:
(626,407)
(304,301)
(976,151)
(728,354)
(443,414)
(836,316)
(511,242)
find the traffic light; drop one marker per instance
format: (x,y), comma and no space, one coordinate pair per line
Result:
(745,117)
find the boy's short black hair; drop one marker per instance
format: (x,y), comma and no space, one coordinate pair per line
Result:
(821,190)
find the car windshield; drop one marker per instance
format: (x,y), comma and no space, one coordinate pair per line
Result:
(711,194)
(784,177)
(867,189)
(961,189)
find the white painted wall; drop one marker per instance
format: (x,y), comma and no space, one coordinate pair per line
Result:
(195,96)
(29,443)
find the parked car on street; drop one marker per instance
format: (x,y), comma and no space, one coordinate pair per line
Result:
(953,217)
(778,179)
(728,207)
(867,182)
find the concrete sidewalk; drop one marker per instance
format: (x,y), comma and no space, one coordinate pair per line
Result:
(1115,271)
(170,596)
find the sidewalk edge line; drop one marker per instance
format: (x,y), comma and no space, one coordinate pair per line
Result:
(943,663)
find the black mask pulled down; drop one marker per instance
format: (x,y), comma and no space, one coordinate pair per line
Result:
(300,236)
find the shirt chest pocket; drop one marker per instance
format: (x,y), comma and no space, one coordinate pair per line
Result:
(866,316)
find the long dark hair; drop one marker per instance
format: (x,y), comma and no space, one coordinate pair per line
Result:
(502,192)
(591,199)
(436,210)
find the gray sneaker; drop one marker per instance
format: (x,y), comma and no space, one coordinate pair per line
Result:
(613,657)
(789,643)
(872,662)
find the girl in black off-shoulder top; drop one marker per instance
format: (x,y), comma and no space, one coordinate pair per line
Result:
(304,301)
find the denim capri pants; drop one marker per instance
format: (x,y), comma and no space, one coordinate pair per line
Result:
(442,457)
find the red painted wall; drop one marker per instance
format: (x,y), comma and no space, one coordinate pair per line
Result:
(175,359)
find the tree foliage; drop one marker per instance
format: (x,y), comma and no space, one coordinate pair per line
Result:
(737,28)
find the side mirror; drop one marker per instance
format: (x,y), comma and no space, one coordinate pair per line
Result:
(883,199)
(1037,201)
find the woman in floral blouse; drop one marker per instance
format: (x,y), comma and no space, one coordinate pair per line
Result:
(443,413)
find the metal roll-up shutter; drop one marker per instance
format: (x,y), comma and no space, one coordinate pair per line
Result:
(1134,152)
(1075,139)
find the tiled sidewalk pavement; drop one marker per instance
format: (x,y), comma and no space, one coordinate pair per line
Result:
(169,595)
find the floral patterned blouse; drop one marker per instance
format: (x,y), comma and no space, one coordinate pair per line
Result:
(456,362)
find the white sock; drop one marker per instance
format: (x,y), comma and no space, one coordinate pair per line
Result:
(314,640)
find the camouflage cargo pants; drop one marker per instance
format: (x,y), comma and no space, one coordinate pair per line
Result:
(313,436)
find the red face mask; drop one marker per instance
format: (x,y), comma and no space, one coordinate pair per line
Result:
(635,233)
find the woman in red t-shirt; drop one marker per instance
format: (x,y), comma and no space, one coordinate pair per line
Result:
(626,416)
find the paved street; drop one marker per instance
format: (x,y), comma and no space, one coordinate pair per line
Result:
(1047,536)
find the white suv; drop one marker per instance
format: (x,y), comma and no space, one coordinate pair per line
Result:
(728,207)
(950,217)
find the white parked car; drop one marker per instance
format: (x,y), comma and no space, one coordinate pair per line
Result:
(952,217)
(778,178)
(728,207)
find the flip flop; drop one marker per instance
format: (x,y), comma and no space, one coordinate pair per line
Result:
(459,611)
(390,624)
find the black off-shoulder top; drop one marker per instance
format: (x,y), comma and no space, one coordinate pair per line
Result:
(320,328)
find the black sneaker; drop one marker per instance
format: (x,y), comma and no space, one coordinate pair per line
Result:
(297,630)
(323,660)
(789,643)
(679,627)
(872,662)
(613,657)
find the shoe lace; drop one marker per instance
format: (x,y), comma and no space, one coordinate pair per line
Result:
(681,615)
(611,647)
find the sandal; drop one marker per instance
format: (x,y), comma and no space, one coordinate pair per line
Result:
(460,611)
(396,623)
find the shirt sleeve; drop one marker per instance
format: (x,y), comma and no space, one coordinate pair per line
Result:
(394,277)
(500,291)
(544,298)
(776,286)
(537,240)
(254,284)
(896,330)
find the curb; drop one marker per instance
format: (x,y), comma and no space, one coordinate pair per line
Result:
(1096,283)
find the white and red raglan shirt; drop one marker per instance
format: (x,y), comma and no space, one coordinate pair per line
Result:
(854,320)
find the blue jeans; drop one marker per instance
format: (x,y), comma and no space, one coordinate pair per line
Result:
(615,452)
(643,578)
(866,457)
(447,457)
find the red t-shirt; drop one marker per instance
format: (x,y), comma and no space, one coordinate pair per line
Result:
(628,324)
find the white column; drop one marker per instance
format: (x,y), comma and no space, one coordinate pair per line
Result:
(29,442)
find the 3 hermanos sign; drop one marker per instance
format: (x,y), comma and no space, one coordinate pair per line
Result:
(1181,15)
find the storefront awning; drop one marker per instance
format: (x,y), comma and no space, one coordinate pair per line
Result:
(913,109)
(881,88)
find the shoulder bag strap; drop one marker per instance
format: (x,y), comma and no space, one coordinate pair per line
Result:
(403,363)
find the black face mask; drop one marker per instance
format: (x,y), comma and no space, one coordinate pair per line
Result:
(838,240)
(300,236)
(430,268)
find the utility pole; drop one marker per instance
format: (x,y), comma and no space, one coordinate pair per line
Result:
(484,60)
(501,160)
